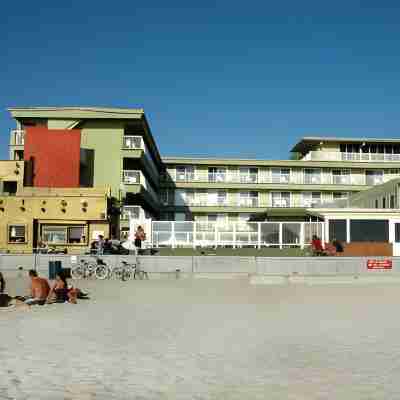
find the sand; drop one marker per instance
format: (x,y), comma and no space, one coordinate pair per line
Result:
(205,339)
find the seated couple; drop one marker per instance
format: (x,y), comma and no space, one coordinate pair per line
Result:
(41,293)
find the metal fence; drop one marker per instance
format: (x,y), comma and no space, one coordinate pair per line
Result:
(234,234)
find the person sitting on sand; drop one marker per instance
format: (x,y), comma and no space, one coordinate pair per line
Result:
(39,289)
(62,293)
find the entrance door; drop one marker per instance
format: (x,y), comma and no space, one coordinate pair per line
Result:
(395,236)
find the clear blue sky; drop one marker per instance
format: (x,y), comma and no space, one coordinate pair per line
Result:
(221,78)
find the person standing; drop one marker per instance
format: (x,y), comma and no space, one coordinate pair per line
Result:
(100,245)
(140,236)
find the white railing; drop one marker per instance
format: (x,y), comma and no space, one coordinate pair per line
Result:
(250,202)
(18,137)
(341,156)
(132,142)
(299,178)
(130,212)
(234,234)
(131,177)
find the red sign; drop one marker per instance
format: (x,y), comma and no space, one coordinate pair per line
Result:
(379,264)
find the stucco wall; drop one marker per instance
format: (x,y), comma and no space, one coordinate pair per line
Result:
(105,137)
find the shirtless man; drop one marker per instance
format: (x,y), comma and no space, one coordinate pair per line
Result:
(39,289)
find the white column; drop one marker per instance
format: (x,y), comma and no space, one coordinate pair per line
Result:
(348,230)
(280,235)
(173,235)
(259,235)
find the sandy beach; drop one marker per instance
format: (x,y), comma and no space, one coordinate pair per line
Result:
(205,339)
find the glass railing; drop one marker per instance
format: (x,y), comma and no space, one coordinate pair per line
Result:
(342,156)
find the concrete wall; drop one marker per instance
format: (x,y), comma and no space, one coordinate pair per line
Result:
(208,265)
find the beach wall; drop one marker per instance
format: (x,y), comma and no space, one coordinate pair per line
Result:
(209,265)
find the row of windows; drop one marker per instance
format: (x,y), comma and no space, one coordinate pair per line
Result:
(51,234)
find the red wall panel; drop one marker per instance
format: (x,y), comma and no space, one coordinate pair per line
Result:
(55,156)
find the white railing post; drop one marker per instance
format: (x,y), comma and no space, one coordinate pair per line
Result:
(302,235)
(173,234)
(258,235)
(234,235)
(280,235)
(215,235)
(194,234)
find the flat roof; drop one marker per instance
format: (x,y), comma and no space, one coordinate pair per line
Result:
(306,141)
(76,112)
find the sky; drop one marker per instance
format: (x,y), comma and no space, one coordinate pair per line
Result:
(216,78)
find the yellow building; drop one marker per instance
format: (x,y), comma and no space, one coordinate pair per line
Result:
(59,217)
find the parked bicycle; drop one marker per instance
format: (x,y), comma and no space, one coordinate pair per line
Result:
(87,269)
(125,271)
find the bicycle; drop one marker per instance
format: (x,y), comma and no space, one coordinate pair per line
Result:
(87,269)
(125,271)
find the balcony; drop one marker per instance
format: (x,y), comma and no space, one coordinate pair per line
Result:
(131,177)
(249,202)
(17,137)
(355,157)
(130,212)
(132,142)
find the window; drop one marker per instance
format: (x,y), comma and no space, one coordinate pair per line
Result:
(76,234)
(184,173)
(10,187)
(373,177)
(280,199)
(369,230)
(392,203)
(340,195)
(221,198)
(280,175)
(248,199)
(337,230)
(59,234)
(16,234)
(312,176)
(216,174)
(341,177)
(311,198)
(383,202)
(248,175)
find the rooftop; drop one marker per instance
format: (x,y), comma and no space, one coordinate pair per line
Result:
(308,141)
(76,112)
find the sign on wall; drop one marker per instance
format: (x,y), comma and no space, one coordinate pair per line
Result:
(379,264)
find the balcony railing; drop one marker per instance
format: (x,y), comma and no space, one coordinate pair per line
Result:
(132,142)
(18,137)
(131,177)
(130,212)
(359,157)
(299,178)
(248,202)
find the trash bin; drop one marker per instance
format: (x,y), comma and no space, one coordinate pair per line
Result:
(55,267)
